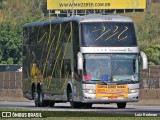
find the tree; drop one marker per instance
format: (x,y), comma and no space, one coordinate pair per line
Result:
(2,5)
(11,43)
(15,14)
(153,54)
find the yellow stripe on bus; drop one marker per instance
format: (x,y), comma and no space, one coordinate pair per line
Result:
(48,56)
(62,60)
(50,29)
(54,67)
(42,37)
(58,39)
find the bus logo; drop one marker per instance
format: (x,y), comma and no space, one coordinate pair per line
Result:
(6,114)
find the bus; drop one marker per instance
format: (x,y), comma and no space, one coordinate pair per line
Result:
(84,60)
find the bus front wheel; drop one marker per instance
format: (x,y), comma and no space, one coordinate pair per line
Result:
(72,103)
(87,105)
(121,105)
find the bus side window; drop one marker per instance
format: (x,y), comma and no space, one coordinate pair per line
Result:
(65,34)
(76,45)
(57,69)
(67,66)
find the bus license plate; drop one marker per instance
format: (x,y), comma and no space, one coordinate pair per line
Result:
(112,91)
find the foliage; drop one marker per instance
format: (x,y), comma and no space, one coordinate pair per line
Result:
(13,16)
(149,30)
(153,53)
(148,34)
(11,45)
(2,5)
(147,25)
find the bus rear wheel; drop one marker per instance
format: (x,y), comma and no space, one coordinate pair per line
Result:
(39,98)
(121,105)
(50,103)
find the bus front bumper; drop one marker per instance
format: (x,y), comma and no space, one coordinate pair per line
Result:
(91,98)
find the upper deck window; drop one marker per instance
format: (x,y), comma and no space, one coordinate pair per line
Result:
(108,34)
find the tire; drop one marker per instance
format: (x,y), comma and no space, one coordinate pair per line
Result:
(33,92)
(72,103)
(39,100)
(121,105)
(87,105)
(48,103)
(75,104)
(51,104)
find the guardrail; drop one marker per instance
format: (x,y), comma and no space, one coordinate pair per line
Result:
(150,78)
(11,80)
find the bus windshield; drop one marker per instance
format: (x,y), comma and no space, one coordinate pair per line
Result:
(110,67)
(108,34)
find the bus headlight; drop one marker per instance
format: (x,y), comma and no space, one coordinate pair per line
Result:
(89,91)
(114,79)
(133,91)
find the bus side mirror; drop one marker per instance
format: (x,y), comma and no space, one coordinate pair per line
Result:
(144,60)
(80,61)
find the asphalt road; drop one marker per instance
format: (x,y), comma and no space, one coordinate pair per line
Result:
(110,108)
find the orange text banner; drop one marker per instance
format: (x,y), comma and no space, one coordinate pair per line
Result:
(112,90)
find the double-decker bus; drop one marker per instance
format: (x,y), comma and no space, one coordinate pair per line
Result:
(84,60)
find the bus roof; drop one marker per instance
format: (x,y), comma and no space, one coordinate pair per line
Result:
(86,18)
